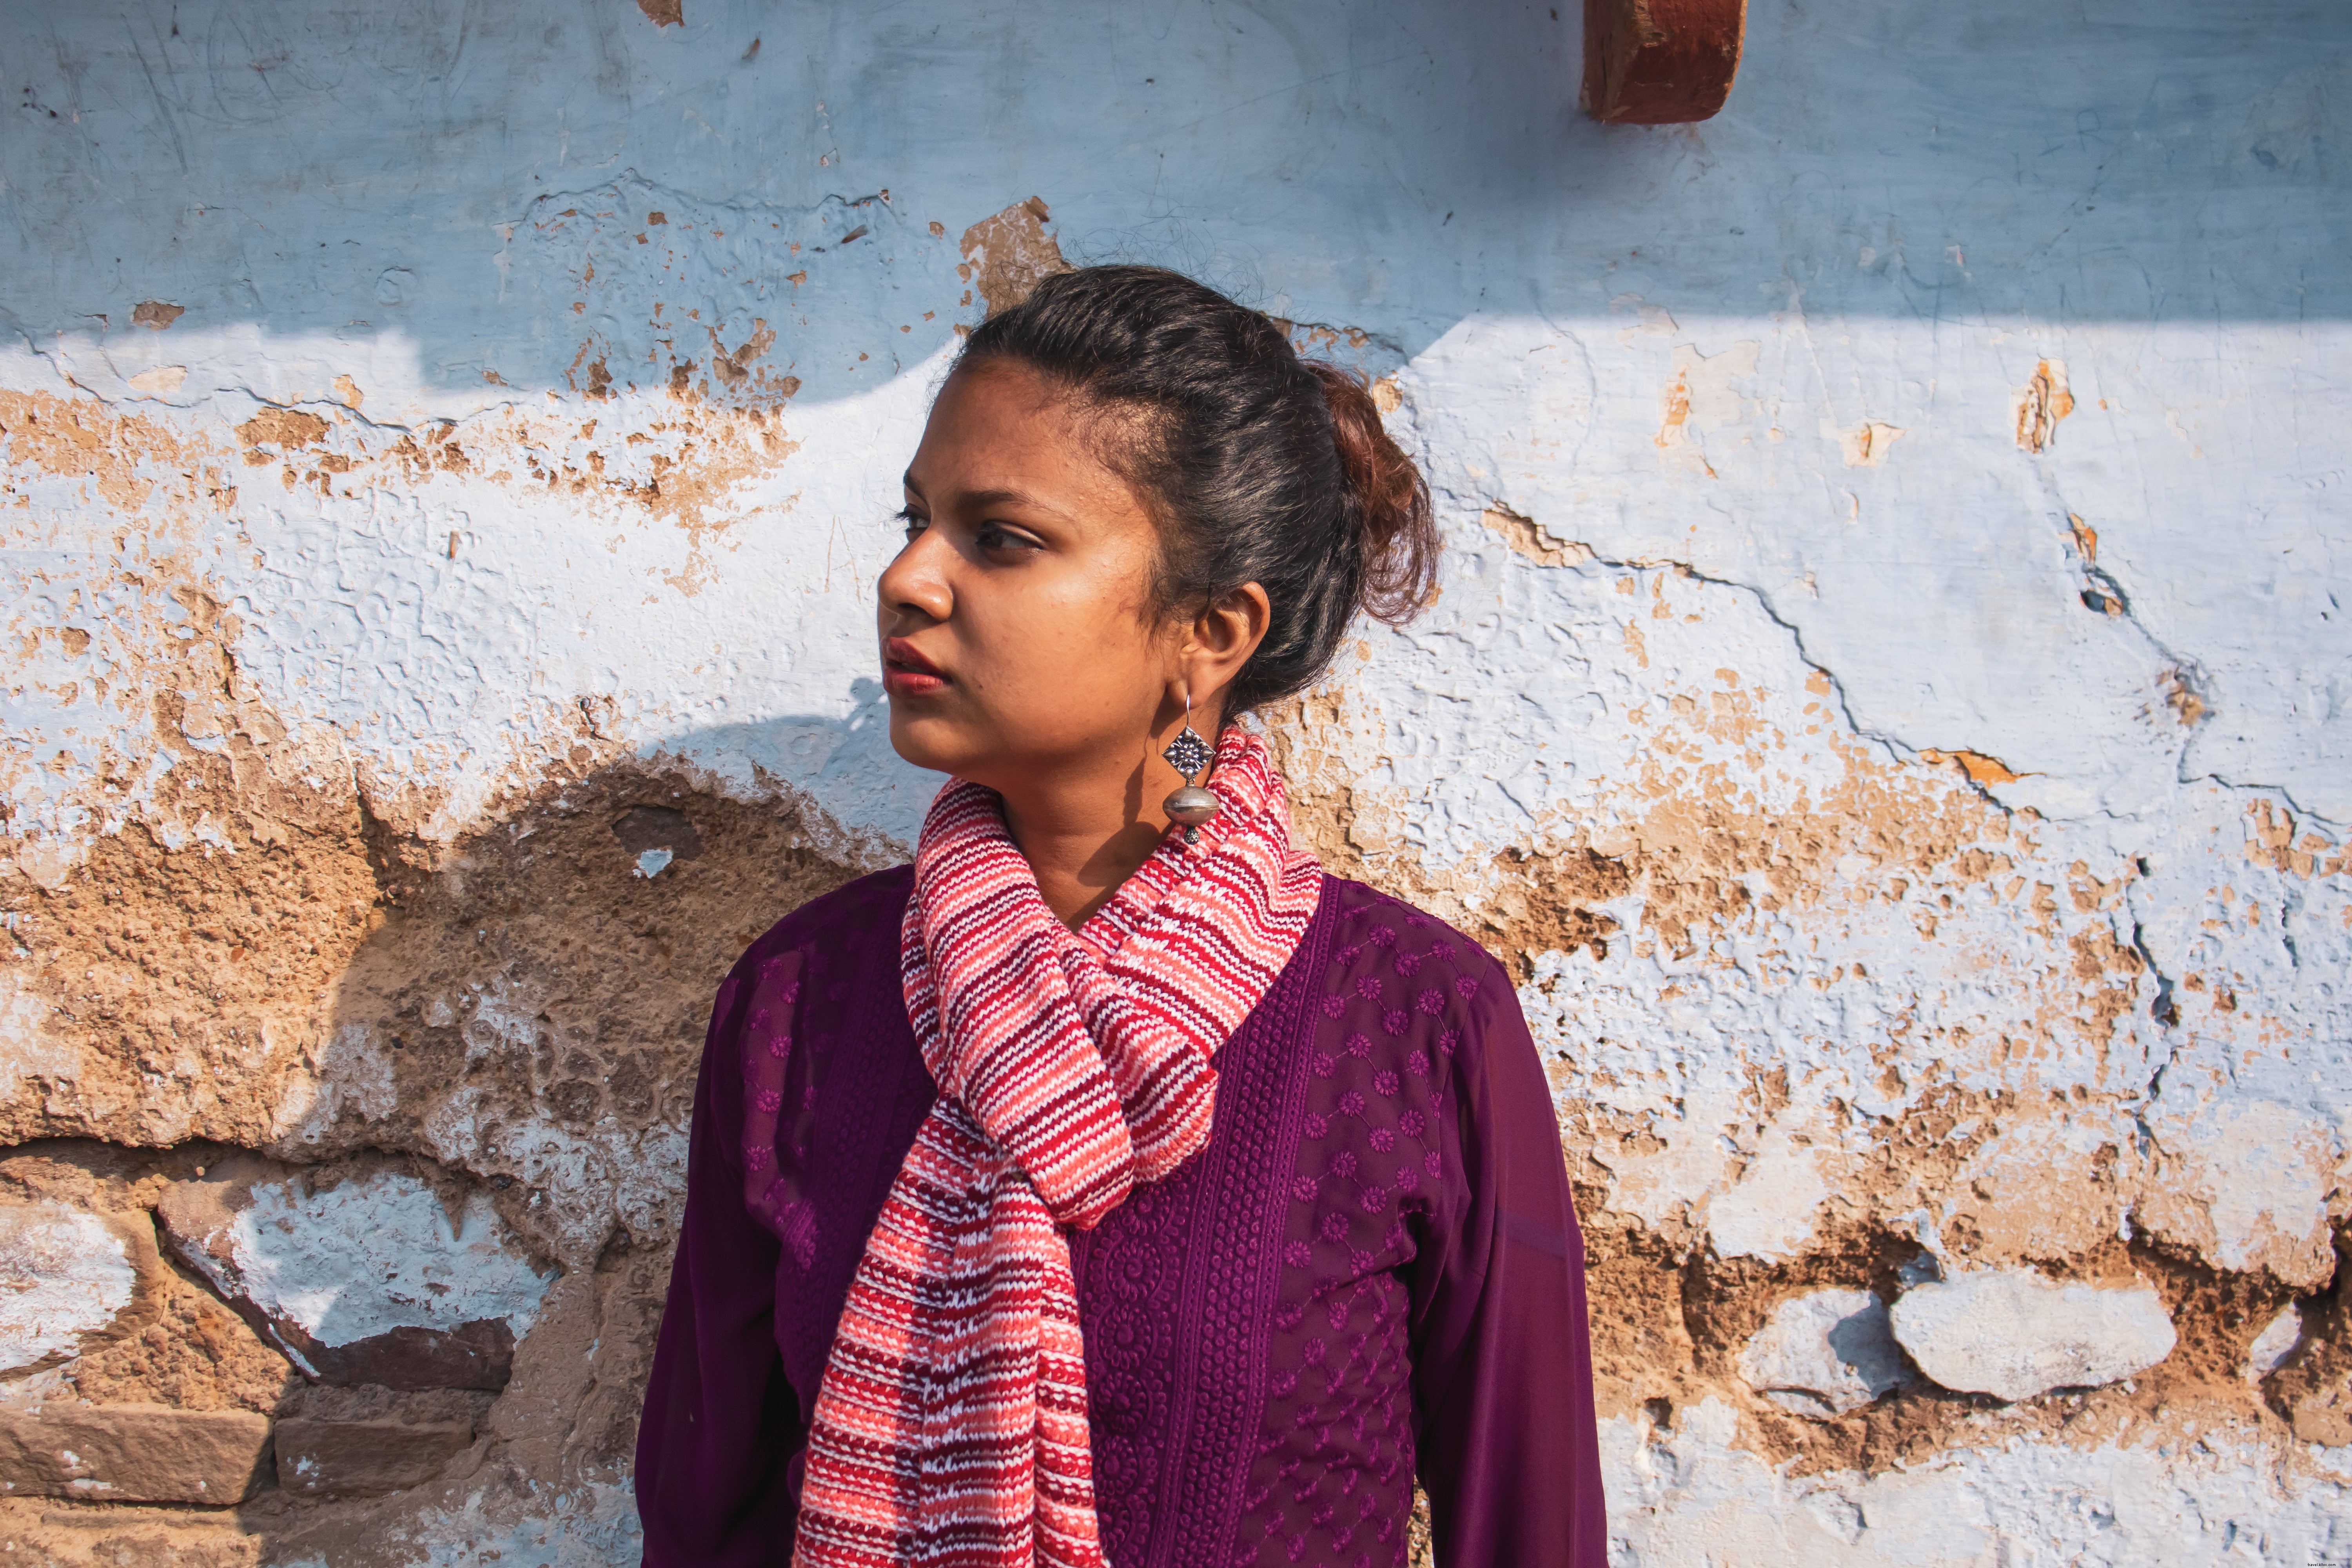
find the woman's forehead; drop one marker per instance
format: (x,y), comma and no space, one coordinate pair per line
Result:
(1003,436)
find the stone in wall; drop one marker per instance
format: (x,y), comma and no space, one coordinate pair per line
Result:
(2014,1334)
(2302,1364)
(363,1458)
(170,1341)
(63,1274)
(1826,1353)
(361,1278)
(133,1453)
(2278,1340)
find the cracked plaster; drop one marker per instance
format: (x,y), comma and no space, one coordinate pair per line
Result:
(1887,702)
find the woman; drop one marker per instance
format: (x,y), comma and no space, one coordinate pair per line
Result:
(1111,1185)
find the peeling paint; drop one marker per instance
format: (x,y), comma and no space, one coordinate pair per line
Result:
(1006,254)
(2040,403)
(442,488)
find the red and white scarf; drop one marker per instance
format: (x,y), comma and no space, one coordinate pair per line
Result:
(950,1428)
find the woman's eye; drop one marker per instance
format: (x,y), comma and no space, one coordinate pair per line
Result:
(911,523)
(993,537)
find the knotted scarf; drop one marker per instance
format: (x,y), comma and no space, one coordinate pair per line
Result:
(950,1428)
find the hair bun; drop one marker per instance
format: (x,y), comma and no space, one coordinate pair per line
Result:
(1396,529)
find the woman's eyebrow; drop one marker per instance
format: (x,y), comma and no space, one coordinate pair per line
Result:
(983,500)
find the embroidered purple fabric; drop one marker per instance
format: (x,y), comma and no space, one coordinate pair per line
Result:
(1371,1272)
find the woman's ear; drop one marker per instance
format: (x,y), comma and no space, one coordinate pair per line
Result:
(1221,637)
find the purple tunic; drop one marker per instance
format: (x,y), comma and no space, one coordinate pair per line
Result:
(1372,1271)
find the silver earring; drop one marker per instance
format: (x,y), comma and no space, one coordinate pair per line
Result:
(1190,756)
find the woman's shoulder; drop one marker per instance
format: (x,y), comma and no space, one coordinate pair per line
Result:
(1372,927)
(848,926)
(1407,996)
(1404,970)
(850,915)
(815,981)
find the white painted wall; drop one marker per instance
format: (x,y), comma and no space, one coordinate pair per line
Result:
(1767,373)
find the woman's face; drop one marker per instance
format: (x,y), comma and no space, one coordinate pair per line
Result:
(1018,637)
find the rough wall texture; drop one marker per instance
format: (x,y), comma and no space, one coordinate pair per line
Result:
(1890,700)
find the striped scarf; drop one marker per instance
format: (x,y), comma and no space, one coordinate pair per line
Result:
(950,1428)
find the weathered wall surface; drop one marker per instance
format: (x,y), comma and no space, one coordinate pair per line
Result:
(1891,699)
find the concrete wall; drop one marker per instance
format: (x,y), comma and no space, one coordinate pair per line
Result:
(1890,700)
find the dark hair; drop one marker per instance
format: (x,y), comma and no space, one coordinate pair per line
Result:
(1259,466)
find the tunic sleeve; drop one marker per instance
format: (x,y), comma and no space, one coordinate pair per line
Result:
(719,1417)
(1502,1368)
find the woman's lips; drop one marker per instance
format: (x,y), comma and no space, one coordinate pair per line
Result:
(907,673)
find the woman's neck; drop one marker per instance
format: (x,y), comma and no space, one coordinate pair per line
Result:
(1084,834)
(1079,861)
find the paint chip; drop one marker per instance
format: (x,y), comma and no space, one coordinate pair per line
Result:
(1866,445)
(1529,538)
(1979,768)
(1701,398)
(2187,703)
(2039,404)
(1009,252)
(283,427)
(2087,538)
(156,314)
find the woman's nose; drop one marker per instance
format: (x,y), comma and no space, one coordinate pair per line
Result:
(915,581)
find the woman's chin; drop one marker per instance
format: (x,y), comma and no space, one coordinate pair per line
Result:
(925,741)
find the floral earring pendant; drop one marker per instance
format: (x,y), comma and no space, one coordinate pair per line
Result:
(1190,756)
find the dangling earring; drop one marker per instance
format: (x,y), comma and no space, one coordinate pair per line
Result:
(1190,756)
